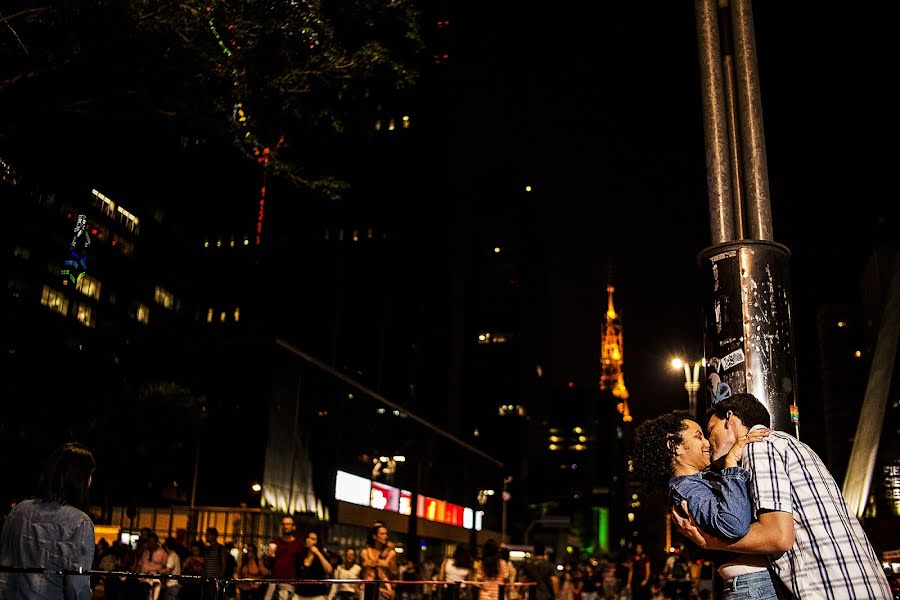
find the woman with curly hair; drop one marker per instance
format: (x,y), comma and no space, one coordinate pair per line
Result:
(672,451)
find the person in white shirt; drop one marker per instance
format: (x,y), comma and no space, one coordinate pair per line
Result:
(348,569)
(173,567)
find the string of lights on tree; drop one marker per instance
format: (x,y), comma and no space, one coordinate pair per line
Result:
(241,120)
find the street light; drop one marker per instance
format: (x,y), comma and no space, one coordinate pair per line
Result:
(691,381)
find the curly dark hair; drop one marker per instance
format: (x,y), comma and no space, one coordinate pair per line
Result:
(653,452)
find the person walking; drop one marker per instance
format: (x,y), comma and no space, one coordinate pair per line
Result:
(53,531)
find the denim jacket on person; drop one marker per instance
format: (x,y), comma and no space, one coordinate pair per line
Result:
(718,500)
(40,533)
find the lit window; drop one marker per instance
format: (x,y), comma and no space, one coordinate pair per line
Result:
(206,243)
(370,233)
(88,286)
(553,447)
(129,220)
(576,429)
(539,370)
(55,300)
(84,314)
(106,206)
(164,298)
(355,235)
(405,122)
(209,315)
(841,324)
(222,317)
(219,243)
(143,314)
(858,354)
(20,252)
(391,125)
(246,241)
(377,125)
(231,242)
(237,314)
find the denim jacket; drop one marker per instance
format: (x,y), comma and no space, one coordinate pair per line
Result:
(718,500)
(39,533)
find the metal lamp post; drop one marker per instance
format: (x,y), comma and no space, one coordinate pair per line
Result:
(691,381)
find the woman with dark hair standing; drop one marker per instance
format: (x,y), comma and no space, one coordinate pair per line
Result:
(379,561)
(492,571)
(52,531)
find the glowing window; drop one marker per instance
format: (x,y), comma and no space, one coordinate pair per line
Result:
(88,286)
(84,314)
(222,316)
(209,315)
(55,300)
(237,314)
(143,314)
(128,220)
(164,298)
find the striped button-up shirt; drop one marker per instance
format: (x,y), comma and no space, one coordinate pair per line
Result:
(831,557)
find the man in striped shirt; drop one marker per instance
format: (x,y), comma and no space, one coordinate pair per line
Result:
(817,548)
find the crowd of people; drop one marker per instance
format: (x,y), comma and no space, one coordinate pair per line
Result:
(761,497)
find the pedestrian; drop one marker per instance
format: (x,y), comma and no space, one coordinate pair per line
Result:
(281,559)
(671,451)
(458,568)
(639,571)
(815,546)
(313,565)
(492,571)
(538,569)
(52,531)
(348,569)
(251,568)
(379,562)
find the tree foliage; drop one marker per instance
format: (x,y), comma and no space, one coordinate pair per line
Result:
(275,74)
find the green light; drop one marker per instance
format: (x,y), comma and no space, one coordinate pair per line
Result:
(602,520)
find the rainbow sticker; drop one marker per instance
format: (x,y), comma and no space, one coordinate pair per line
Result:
(795,413)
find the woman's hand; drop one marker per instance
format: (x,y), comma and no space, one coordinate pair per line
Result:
(733,458)
(686,524)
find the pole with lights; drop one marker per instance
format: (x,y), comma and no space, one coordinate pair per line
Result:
(691,381)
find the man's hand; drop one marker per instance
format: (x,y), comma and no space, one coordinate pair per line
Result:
(686,524)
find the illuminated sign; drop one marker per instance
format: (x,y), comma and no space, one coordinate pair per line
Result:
(353,489)
(405,502)
(362,491)
(385,497)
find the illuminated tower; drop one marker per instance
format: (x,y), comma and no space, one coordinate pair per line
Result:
(612,378)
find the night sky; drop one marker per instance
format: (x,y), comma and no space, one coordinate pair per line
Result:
(597,105)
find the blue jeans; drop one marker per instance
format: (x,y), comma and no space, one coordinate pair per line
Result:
(752,586)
